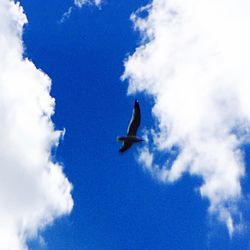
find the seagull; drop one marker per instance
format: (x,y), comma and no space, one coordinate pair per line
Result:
(131,137)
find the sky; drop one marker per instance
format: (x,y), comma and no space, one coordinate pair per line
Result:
(70,72)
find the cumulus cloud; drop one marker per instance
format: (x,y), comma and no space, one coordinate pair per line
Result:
(33,188)
(194,60)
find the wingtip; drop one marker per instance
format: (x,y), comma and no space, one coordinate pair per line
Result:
(121,151)
(136,102)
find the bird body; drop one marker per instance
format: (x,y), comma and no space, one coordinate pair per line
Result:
(131,137)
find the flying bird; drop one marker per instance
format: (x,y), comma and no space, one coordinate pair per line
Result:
(131,137)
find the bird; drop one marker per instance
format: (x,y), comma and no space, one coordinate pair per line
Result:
(131,137)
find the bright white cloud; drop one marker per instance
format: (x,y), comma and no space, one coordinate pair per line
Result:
(33,189)
(194,60)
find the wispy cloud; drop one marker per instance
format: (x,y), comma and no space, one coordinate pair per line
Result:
(66,15)
(79,4)
(33,188)
(194,60)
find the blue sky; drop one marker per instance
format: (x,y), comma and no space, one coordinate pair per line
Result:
(118,204)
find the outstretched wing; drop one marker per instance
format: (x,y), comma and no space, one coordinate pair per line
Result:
(126,145)
(135,120)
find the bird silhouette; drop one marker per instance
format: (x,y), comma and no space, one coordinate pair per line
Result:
(131,137)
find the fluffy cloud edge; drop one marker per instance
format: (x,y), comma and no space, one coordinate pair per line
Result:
(189,66)
(34,191)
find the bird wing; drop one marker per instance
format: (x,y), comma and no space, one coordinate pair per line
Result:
(135,120)
(126,145)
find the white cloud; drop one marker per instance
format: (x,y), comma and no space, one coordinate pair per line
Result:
(194,60)
(33,189)
(66,15)
(79,4)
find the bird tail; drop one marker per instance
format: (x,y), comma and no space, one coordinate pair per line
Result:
(120,138)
